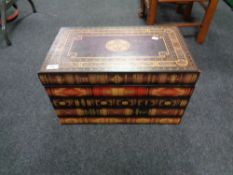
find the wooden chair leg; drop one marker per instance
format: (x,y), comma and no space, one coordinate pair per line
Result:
(206,21)
(188,11)
(33,6)
(3,19)
(151,16)
(142,9)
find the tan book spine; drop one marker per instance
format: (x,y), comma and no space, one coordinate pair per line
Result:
(99,120)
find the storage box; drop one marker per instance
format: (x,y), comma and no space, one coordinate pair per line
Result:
(119,75)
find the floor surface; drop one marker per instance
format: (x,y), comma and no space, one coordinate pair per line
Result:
(32,141)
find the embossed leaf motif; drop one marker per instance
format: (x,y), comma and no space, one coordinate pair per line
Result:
(117,45)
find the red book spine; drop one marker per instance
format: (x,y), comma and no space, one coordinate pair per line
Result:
(120,91)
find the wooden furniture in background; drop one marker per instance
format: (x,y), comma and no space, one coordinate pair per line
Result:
(210,7)
(4,5)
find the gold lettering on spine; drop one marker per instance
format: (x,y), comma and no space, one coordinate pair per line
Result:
(62,103)
(183,103)
(80,112)
(77,103)
(167,103)
(103,103)
(152,112)
(172,78)
(89,102)
(125,103)
(129,112)
(103,112)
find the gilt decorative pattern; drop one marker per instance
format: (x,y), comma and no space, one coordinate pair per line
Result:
(118,45)
(119,49)
(113,75)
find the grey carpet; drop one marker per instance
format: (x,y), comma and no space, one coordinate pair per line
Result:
(32,141)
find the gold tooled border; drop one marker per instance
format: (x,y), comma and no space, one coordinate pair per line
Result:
(170,36)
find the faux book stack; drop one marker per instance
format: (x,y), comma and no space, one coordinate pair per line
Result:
(119,75)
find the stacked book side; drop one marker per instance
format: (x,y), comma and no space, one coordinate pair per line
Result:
(119,75)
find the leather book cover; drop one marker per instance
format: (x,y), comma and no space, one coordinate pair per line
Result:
(118,49)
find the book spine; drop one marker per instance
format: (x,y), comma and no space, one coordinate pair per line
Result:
(131,120)
(79,112)
(119,91)
(132,78)
(118,102)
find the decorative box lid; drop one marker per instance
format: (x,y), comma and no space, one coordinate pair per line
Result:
(119,49)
